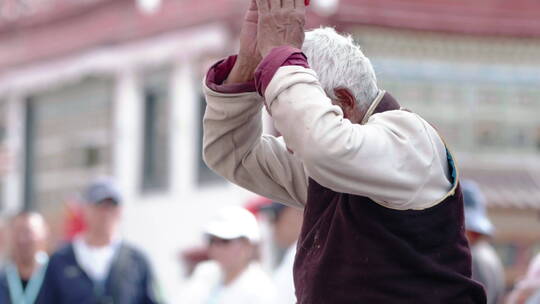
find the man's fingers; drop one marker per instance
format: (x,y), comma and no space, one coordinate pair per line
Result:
(253,5)
(275,4)
(252,15)
(288,3)
(300,3)
(263,5)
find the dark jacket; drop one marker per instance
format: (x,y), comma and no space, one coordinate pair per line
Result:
(5,297)
(4,289)
(129,281)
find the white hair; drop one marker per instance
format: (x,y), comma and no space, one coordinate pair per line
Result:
(339,62)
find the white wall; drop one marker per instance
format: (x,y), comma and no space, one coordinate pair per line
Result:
(166,223)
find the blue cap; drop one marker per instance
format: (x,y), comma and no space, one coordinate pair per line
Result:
(273,207)
(476,219)
(102,189)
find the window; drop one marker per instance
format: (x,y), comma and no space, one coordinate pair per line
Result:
(67,141)
(205,175)
(490,134)
(526,98)
(538,139)
(156,122)
(491,96)
(518,137)
(29,157)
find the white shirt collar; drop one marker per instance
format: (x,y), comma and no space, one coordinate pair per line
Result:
(95,261)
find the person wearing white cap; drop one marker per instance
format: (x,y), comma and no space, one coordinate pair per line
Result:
(232,276)
(486,265)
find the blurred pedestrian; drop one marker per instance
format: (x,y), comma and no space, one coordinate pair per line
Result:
(486,265)
(22,277)
(233,276)
(527,290)
(383,205)
(286,224)
(98,266)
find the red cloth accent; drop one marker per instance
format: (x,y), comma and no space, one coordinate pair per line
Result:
(74,222)
(192,257)
(254,205)
(278,57)
(220,71)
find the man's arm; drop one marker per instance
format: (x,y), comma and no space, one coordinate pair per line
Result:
(234,147)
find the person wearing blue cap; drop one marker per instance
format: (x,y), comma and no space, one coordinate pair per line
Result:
(486,265)
(232,275)
(94,268)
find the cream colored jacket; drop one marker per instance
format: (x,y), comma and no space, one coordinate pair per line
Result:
(397,159)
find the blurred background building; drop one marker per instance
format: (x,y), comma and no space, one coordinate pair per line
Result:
(97,87)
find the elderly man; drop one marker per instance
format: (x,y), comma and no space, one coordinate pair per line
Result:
(383,210)
(22,277)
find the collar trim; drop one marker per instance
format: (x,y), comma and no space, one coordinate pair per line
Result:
(374,104)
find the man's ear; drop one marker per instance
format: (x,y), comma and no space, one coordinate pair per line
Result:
(346,100)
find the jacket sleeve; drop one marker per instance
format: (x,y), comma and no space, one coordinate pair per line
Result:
(234,147)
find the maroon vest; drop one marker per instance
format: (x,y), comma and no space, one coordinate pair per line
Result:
(353,250)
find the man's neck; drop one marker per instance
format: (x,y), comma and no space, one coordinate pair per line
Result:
(98,240)
(233,273)
(26,268)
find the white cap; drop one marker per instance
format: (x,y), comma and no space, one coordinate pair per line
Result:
(232,223)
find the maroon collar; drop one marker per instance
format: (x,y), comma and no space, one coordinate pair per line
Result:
(382,103)
(387,103)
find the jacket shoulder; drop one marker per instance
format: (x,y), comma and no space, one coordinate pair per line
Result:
(63,251)
(129,254)
(64,254)
(133,252)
